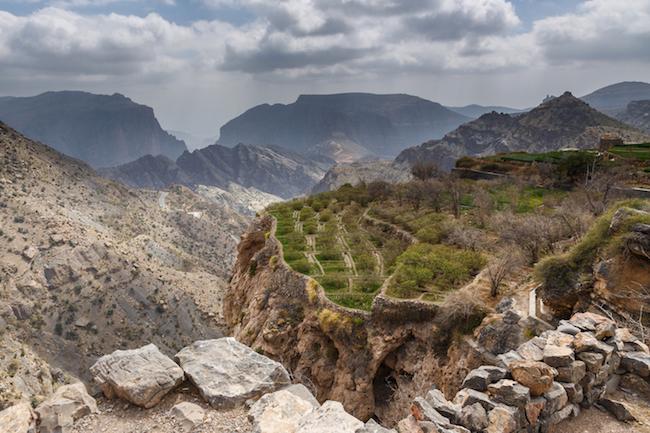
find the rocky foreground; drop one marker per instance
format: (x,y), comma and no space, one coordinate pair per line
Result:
(587,361)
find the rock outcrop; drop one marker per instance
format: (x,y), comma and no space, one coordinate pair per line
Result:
(355,357)
(141,376)
(227,373)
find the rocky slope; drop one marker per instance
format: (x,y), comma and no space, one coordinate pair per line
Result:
(271,170)
(615,98)
(357,172)
(637,114)
(562,122)
(101,130)
(88,266)
(343,126)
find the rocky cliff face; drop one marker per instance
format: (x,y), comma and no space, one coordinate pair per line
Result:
(101,130)
(357,172)
(562,122)
(270,170)
(368,361)
(361,123)
(88,266)
(637,114)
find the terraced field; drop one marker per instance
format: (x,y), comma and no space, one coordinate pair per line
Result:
(334,247)
(356,252)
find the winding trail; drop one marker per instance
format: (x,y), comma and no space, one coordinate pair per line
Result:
(162,200)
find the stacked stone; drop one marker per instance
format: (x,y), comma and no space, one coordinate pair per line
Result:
(545,381)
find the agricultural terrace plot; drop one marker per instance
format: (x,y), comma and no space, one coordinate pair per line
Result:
(639,152)
(332,246)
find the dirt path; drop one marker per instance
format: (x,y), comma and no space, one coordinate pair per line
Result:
(380,261)
(162,200)
(311,258)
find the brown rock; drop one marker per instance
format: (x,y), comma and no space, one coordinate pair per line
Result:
(537,376)
(572,373)
(605,330)
(502,419)
(618,409)
(593,361)
(534,409)
(587,342)
(558,356)
(409,425)
(19,418)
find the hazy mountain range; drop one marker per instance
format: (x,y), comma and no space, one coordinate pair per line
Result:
(101,130)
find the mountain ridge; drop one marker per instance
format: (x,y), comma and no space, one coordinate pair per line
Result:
(102,130)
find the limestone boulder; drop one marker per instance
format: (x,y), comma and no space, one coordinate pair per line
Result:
(301,391)
(536,376)
(140,376)
(329,418)
(587,342)
(589,321)
(593,361)
(227,373)
(279,412)
(625,341)
(466,397)
(188,415)
(19,418)
(58,413)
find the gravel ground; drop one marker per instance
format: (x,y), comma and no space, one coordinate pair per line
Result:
(117,416)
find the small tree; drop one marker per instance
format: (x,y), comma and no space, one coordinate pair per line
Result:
(503,266)
(425,170)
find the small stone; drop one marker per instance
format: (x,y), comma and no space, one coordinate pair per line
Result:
(474,417)
(189,415)
(617,408)
(587,342)
(593,361)
(572,373)
(423,411)
(536,376)
(534,409)
(510,393)
(605,330)
(530,351)
(466,397)
(567,328)
(446,408)
(505,359)
(573,392)
(556,399)
(30,252)
(557,417)
(502,419)
(589,321)
(558,356)
(409,425)
(479,378)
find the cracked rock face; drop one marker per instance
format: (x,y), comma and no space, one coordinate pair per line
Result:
(227,373)
(141,376)
(61,410)
(19,418)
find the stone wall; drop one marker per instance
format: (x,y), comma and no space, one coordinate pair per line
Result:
(546,380)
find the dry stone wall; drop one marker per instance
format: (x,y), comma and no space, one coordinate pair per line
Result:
(545,381)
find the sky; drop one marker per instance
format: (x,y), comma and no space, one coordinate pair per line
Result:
(199,63)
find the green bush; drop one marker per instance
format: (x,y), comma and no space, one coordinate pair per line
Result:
(300,265)
(333,282)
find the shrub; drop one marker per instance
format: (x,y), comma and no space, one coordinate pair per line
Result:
(301,265)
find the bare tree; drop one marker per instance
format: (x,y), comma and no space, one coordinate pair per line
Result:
(598,187)
(535,234)
(425,170)
(484,204)
(502,266)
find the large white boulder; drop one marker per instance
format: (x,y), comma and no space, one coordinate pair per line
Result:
(279,412)
(141,376)
(19,418)
(227,373)
(58,413)
(329,418)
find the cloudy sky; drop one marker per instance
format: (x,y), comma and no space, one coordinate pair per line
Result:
(201,62)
